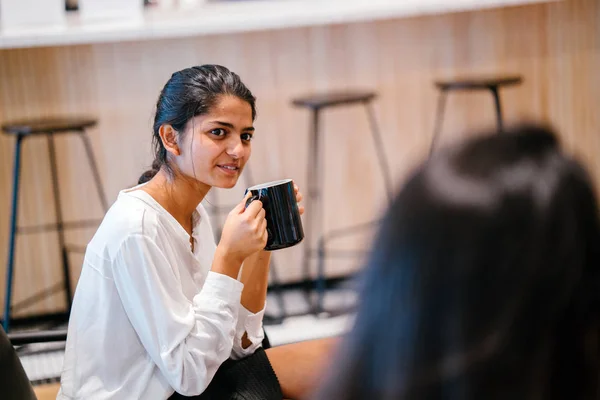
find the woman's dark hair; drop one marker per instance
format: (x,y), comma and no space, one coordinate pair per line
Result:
(191,92)
(483,282)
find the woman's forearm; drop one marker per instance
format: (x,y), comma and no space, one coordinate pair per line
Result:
(255,277)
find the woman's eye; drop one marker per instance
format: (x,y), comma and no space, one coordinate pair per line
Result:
(246,137)
(218,132)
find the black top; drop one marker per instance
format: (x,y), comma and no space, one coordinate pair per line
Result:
(478,83)
(46,125)
(331,99)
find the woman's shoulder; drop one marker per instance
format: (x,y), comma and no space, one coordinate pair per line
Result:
(129,217)
(135,213)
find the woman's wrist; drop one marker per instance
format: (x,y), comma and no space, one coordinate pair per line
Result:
(226,263)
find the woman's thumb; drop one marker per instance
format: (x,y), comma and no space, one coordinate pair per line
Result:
(242,204)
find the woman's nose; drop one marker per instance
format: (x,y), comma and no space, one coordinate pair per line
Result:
(235,148)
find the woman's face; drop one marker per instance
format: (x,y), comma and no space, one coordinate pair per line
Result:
(216,145)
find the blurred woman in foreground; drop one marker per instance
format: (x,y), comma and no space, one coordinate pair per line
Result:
(483,282)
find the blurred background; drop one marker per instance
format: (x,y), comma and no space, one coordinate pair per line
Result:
(104,63)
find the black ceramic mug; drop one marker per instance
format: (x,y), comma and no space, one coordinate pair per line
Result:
(284,225)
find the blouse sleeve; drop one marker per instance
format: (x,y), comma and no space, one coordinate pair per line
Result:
(250,324)
(188,341)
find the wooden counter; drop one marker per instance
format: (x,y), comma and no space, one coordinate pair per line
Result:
(554,46)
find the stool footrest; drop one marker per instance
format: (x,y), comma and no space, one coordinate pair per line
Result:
(26,230)
(37,297)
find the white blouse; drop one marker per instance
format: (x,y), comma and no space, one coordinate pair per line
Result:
(149,317)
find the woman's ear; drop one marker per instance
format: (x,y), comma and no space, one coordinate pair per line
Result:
(169,137)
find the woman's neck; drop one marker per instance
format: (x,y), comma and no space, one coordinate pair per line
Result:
(177,194)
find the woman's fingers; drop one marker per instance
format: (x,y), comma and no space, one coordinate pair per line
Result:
(254,209)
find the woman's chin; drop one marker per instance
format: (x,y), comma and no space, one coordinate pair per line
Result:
(225,184)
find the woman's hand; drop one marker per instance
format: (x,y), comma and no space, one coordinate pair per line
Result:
(299,198)
(244,232)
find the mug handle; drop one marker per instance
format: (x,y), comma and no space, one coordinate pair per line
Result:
(251,199)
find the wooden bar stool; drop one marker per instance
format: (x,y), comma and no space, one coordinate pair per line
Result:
(48,127)
(313,223)
(493,84)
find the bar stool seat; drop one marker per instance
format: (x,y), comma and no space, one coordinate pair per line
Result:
(478,83)
(48,127)
(332,99)
(493,84)
(317,103)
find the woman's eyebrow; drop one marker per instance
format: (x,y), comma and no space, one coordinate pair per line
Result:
(228,125)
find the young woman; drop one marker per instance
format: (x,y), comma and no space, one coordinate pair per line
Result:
(159,311)
(484,282)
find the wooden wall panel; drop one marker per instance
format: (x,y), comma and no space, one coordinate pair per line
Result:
(554,46)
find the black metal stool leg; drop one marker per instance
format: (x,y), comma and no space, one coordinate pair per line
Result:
(12,238)
(496,95)
(387,181)
(59,222)
(313,201)
(439,120)
(320,280)
(94,167)
(384,165)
